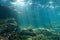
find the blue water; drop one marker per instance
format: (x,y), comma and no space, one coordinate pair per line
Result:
(33,16)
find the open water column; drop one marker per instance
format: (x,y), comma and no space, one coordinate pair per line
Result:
(29,19)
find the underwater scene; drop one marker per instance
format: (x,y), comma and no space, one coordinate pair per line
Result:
(29,19)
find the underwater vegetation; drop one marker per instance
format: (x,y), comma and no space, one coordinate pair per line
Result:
(9,30)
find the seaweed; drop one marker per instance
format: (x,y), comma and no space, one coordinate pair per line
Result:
(11,32)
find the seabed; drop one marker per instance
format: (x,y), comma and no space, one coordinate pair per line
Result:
(9,30)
